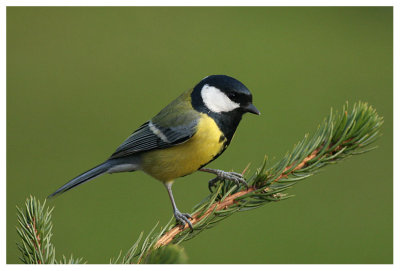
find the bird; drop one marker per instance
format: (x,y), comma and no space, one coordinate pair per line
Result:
(185,136)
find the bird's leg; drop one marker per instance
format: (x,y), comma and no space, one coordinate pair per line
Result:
(224,175)
(180,217)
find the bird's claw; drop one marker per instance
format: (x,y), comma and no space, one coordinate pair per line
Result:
(235,177)
(183,218)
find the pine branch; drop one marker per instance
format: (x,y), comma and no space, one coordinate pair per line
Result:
(341,135)
(35,229)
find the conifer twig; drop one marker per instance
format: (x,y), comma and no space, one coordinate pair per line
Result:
(35,230)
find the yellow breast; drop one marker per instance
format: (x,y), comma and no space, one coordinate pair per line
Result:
(171,163)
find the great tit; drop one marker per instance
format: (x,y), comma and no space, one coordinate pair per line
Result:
(182,138)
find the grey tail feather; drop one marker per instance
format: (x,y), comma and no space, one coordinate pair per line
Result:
(84,177)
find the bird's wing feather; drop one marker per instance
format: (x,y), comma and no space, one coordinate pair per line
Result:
(175,124)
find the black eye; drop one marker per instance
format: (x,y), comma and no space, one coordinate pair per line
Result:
(232,95)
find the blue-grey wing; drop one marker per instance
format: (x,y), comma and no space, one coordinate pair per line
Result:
(152,136)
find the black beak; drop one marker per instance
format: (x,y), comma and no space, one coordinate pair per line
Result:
(252,109)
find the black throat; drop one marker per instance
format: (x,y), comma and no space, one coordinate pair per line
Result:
(226,121)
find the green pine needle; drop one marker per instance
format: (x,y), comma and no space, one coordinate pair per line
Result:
(35,230)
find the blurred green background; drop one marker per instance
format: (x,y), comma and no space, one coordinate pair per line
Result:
(81,79)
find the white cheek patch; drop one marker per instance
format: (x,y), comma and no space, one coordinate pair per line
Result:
(216,100)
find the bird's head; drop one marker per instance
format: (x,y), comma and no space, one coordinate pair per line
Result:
(223,94)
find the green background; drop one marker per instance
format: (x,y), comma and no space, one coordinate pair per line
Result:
(80,80)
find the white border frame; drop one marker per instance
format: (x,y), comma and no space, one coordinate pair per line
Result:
(396,200)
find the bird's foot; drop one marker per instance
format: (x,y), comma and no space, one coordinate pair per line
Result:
(183,218)
(235,177)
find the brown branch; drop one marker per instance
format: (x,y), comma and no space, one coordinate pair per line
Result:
(37,236)
(228,201)
(299,166)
